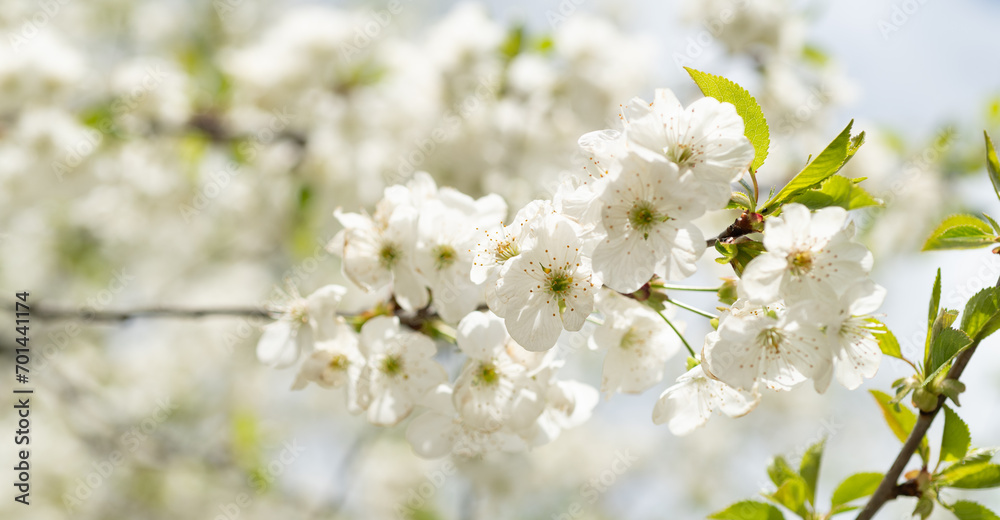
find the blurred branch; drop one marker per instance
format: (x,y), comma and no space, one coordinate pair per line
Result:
(55,314)
(888,489)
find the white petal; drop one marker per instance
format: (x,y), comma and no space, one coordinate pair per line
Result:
(277,346)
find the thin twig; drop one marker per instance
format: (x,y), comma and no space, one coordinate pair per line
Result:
(887,489)
(55,314)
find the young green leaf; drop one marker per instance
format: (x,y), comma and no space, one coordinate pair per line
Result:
(887,341)
(856,486)
(946,345)
(749,510)
(827,163)
(754,124)
(809,469)
(900,420)
(992,164)
(981,316)
(935,304)
(971,476)
(955,441)
(836,191)
(993,223)
(966,510)
(791,494)
(960,232)
(779,471)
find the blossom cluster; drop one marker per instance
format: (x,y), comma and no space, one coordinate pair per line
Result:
(510,289)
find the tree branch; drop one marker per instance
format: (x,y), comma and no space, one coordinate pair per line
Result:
(55,314)
(888,489)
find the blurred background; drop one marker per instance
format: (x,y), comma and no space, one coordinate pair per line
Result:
(190,154)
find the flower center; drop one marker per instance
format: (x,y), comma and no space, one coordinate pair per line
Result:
(505,250)
(643,216)
(392,365)
(388,255)
(630,339)
(559,282)
(299,311)
(771,338)
(444,256)
(488,373)
(800,262)
(679,154)
(338,362)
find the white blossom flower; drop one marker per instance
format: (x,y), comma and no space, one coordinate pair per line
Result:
(705,139)
(379,251)
(336,363)
(777,348)
(568,404)
(856,352)
(809,257)
(500,243)
(690,402)
(441,431)
(638,344)
(491,383)
(442,253)
(546,288)
(646,212)
(302,321)
(400,369)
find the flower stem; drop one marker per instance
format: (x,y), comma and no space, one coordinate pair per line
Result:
(694,310)
(686,288)
(679,335)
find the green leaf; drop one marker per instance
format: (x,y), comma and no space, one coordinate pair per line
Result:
(966,510)
(856,486)
(791,494)
(993,223)
(900,420)
(992,164)
(955,440)
(827,163)
(979,475)
(960,232)
(779,471)
(946,345)
(836,191)
(887,341)
(754,124)
(935,304)
(836,510)
(749,510)
(809,469)
(981,316)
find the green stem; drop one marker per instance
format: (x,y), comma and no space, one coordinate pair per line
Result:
(679,335)
(685,288)
(694,310)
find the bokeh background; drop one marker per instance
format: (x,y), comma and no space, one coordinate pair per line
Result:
(187,153)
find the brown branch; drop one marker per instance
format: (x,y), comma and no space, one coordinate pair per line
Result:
(55,314)
(888,489)
(747,223)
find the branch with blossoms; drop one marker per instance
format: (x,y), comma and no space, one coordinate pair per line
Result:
(609,249)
